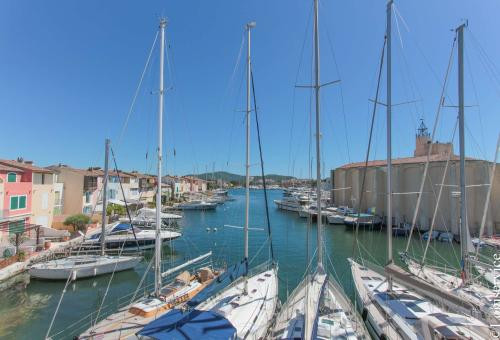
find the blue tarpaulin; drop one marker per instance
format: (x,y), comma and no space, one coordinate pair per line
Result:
(195,324)
(230,275)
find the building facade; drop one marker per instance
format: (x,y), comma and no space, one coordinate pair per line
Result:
(407,176)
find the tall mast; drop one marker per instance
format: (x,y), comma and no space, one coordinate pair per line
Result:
(104,196)
(389,141)
(318,136)
(249,26)
(464,233)
(163,23)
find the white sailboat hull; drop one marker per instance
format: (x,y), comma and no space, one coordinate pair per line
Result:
(250,314)
(336,319)
(403,314)
(78,267)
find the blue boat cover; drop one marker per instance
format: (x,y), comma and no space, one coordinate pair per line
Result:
(121,227)
(195,324)
(222,281)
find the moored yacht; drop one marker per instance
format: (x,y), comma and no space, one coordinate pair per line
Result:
(296,202)
(124,236)
(197,205)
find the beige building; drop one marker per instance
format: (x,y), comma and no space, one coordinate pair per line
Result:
(81,188)
(407,176)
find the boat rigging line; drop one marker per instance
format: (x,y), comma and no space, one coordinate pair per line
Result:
(262,168)
(131,108)
(124,200)
(375,103)
(426,168)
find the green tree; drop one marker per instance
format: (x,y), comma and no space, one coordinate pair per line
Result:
(115,209)
(78,221)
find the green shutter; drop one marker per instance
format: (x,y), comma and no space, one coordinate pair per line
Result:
(22,202)
(14,202)
(11,177)
(16,227)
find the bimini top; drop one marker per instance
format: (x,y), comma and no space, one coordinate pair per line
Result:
(195,324)
(230,275)
(121,227)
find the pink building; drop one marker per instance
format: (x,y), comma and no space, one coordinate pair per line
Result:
(15,199)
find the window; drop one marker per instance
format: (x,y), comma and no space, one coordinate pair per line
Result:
(11,177)
(14,202)
(87,197)
(37,178)
(17,202)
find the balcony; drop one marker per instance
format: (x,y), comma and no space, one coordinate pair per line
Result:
(89,183)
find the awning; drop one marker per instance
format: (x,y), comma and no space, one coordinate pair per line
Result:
(195,324)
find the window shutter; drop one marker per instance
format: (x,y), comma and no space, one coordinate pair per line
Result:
(22,202)
(14,202)
(11,177)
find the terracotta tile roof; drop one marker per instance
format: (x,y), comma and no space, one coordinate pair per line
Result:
(406,160)
(84,172)
(94,171)
(25,166)
(9,168)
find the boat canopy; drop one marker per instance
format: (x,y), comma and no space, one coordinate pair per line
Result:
(121,227)
(230,275)
(195,324)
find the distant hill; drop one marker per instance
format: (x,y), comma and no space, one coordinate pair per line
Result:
(229,177)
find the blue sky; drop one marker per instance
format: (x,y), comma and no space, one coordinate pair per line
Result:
(69,70)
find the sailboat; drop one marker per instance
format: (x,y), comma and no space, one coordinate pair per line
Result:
(394,303)
(244,309)
(479,296)
(318,307)
(126,322)
(84,266)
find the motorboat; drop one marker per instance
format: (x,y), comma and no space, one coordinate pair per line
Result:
(197,205)
(445,237)
(146,219)
(293,203)
(123,235)
(364,220)
(432,235)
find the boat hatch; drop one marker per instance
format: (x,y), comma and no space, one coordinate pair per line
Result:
(414,307)
(77,263)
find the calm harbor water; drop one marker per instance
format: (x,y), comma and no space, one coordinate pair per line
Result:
(26,312)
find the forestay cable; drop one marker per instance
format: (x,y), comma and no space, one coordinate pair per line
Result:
(137,91)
